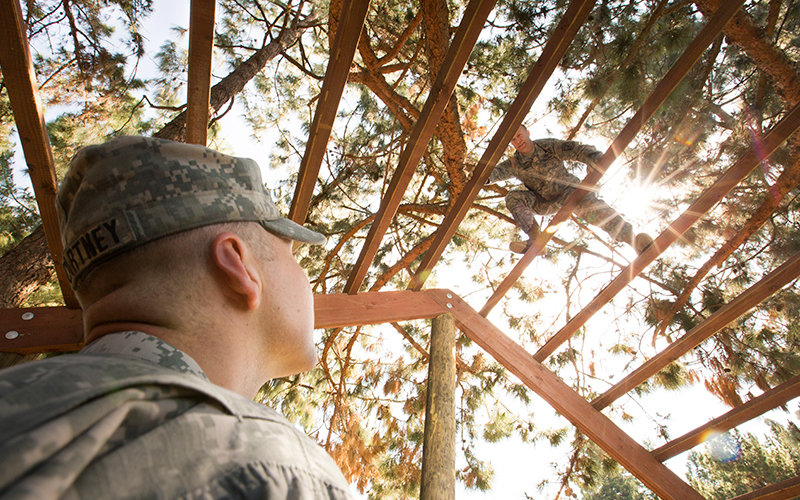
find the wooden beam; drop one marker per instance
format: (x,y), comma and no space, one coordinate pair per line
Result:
(768,285)
(453,64)
(552,53)
(783,490)
(648,108)
(767,401)
(746,163)
(438,478)
(40,329)
(354,12)
(19,78)
(341,309)
(47,329)
(567,402)
(201,44)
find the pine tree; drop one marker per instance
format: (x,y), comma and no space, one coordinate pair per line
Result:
(735,464)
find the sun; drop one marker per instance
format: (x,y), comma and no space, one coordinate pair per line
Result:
(638,202)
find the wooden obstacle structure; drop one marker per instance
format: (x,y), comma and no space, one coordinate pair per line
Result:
(59,328)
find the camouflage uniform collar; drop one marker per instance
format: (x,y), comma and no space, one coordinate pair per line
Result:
(145,347)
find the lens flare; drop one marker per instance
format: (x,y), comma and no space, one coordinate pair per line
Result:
(723,447)
(758,147)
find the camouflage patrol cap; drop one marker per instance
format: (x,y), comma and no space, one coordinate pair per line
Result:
(133,190)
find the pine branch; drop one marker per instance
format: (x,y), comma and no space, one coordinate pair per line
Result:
(787,181)
(624,64)
(773,61)
(402,39)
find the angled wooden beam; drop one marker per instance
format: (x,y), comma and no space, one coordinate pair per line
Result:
(552,53)
(748,299)
(354,12)
(19,78)
(767,401)
(453,64)
(201,44)
(749,161)
(790,488)
(48,329)
(648,108)
(566,401)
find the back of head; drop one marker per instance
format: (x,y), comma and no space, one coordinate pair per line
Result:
(135,190)
(166,281)
(138,215)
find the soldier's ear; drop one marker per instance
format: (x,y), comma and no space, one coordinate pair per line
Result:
(238,268)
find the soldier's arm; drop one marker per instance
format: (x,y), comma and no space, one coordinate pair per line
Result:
(501,172)
(576,151)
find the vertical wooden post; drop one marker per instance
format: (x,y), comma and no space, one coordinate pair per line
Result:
(201,45)
(439,441)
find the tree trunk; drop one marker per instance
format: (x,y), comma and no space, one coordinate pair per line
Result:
(436,24)
(25,268)
(234,83)
(742,31)
(30,261)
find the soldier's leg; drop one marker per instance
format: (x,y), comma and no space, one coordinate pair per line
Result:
(597,212)
(521,204)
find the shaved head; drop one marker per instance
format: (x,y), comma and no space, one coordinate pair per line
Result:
(522,140)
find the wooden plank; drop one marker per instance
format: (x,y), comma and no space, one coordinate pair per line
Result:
(354,12)
(567,402)
(790,488)
(201,44)
(19,78)
(552,53)
(664,88)
(438,478)
(60,328)
(341,309)
(767,401)
(768,285)
(749,161)
(453,64)
(40,329)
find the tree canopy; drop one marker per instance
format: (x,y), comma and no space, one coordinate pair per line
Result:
(365,401)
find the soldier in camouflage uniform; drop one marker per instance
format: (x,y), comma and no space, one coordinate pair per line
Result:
(540,166)
(191,300)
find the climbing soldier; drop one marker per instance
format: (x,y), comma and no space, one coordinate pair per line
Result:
(540,166)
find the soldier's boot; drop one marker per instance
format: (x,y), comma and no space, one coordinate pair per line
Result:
(622,231)
(641,242)
(523,246)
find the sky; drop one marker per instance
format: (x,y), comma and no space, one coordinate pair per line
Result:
(517,466)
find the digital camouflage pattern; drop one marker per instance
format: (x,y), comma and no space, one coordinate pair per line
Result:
(130,416)
(549,184)
(133,190)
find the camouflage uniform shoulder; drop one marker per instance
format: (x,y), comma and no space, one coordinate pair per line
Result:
(34,392)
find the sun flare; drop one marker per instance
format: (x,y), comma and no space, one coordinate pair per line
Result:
(638,202)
